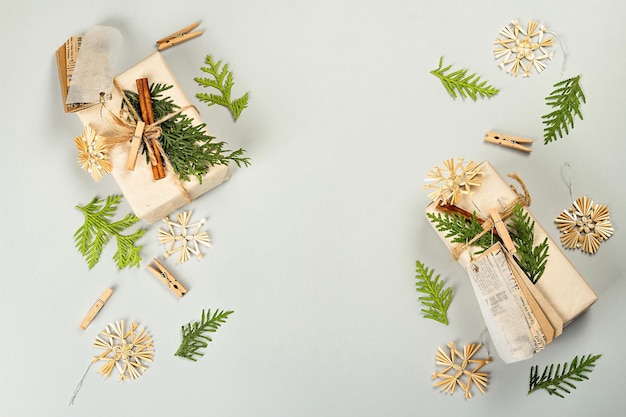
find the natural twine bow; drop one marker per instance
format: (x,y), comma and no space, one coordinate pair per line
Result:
(127,121)
(505,213)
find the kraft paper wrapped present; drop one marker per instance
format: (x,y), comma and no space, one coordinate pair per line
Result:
(151,200)
(561,284)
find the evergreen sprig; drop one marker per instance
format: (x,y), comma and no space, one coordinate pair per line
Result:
(96,232)
(560,381)
(436,299)
(466,85)
(196,335)
(566,101)
(532,259)
(461,230)
(190,150)
(222,80)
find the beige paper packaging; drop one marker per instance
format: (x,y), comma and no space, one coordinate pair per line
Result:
(150,200)
(561,285)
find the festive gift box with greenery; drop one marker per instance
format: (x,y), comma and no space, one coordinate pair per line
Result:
(469,191)
(193,162)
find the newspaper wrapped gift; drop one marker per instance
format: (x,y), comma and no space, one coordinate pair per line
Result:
(561,285)
(150,200)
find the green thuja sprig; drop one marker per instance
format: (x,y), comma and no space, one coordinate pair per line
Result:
(466,85)
(190,150)
(97,231)
(560,381)
(222,80)
(461,230)
(436,299)
(565,101)
(196,335)
(532,259)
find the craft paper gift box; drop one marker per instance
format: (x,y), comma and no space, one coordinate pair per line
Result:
(561,284)
(151,200)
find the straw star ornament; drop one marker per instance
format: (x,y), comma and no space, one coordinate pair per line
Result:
(523,49)
(184,237)
(452,181)
(461,368)
(93,153)
(585,225)
(125,348)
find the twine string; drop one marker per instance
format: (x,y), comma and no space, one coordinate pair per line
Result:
(506,212)
(80,383)
(127,120)
(566,177)
(562,45)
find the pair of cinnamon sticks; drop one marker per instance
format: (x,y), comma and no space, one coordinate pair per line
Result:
(147,114)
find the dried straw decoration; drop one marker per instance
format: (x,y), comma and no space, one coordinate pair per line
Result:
(127,349)
(523,49)
(585,225)
(93,153)
(461,369)
(180,239)
(453,180)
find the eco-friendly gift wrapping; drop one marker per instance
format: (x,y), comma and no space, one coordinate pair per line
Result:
(561,294)
(151,200)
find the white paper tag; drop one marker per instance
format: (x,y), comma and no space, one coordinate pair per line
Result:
(93,72)
(511,323)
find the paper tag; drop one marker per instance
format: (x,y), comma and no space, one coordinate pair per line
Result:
(93,72)
(510,320)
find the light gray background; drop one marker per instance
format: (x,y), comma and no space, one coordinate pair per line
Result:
(315,244)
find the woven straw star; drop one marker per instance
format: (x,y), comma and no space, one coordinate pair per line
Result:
(523,49)
(585,225)
(461,369)
(453,180)
(93,153)
(184,237)
(125,348)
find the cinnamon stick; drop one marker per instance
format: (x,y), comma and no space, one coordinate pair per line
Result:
(147,114)
(452,209)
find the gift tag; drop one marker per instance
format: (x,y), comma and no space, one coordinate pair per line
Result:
(93,73)
(512,324)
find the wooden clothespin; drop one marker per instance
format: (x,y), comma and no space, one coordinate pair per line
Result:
(134,146)
(95,309)
(178,37)
(167,278)
(502,231)
(508,141)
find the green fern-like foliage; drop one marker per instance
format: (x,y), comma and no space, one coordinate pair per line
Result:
(532,259)
(466,85)
(561,380)
(462,230)
(565,101)
(98,229)
(220,79)
(190,150)
(196,335)
(436,299)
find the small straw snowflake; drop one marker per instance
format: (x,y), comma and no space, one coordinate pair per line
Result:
(584,225)
(459,367)
(183,240)
(126,349)
(523,49)
(93,153)
(454,180)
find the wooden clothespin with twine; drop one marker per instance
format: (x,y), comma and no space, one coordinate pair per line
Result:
(178,37)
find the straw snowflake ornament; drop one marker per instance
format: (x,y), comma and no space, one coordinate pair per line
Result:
(585,225)
(93,153)
(184,237)
(461,369)
(125,348)
(523,49)
(453,180)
